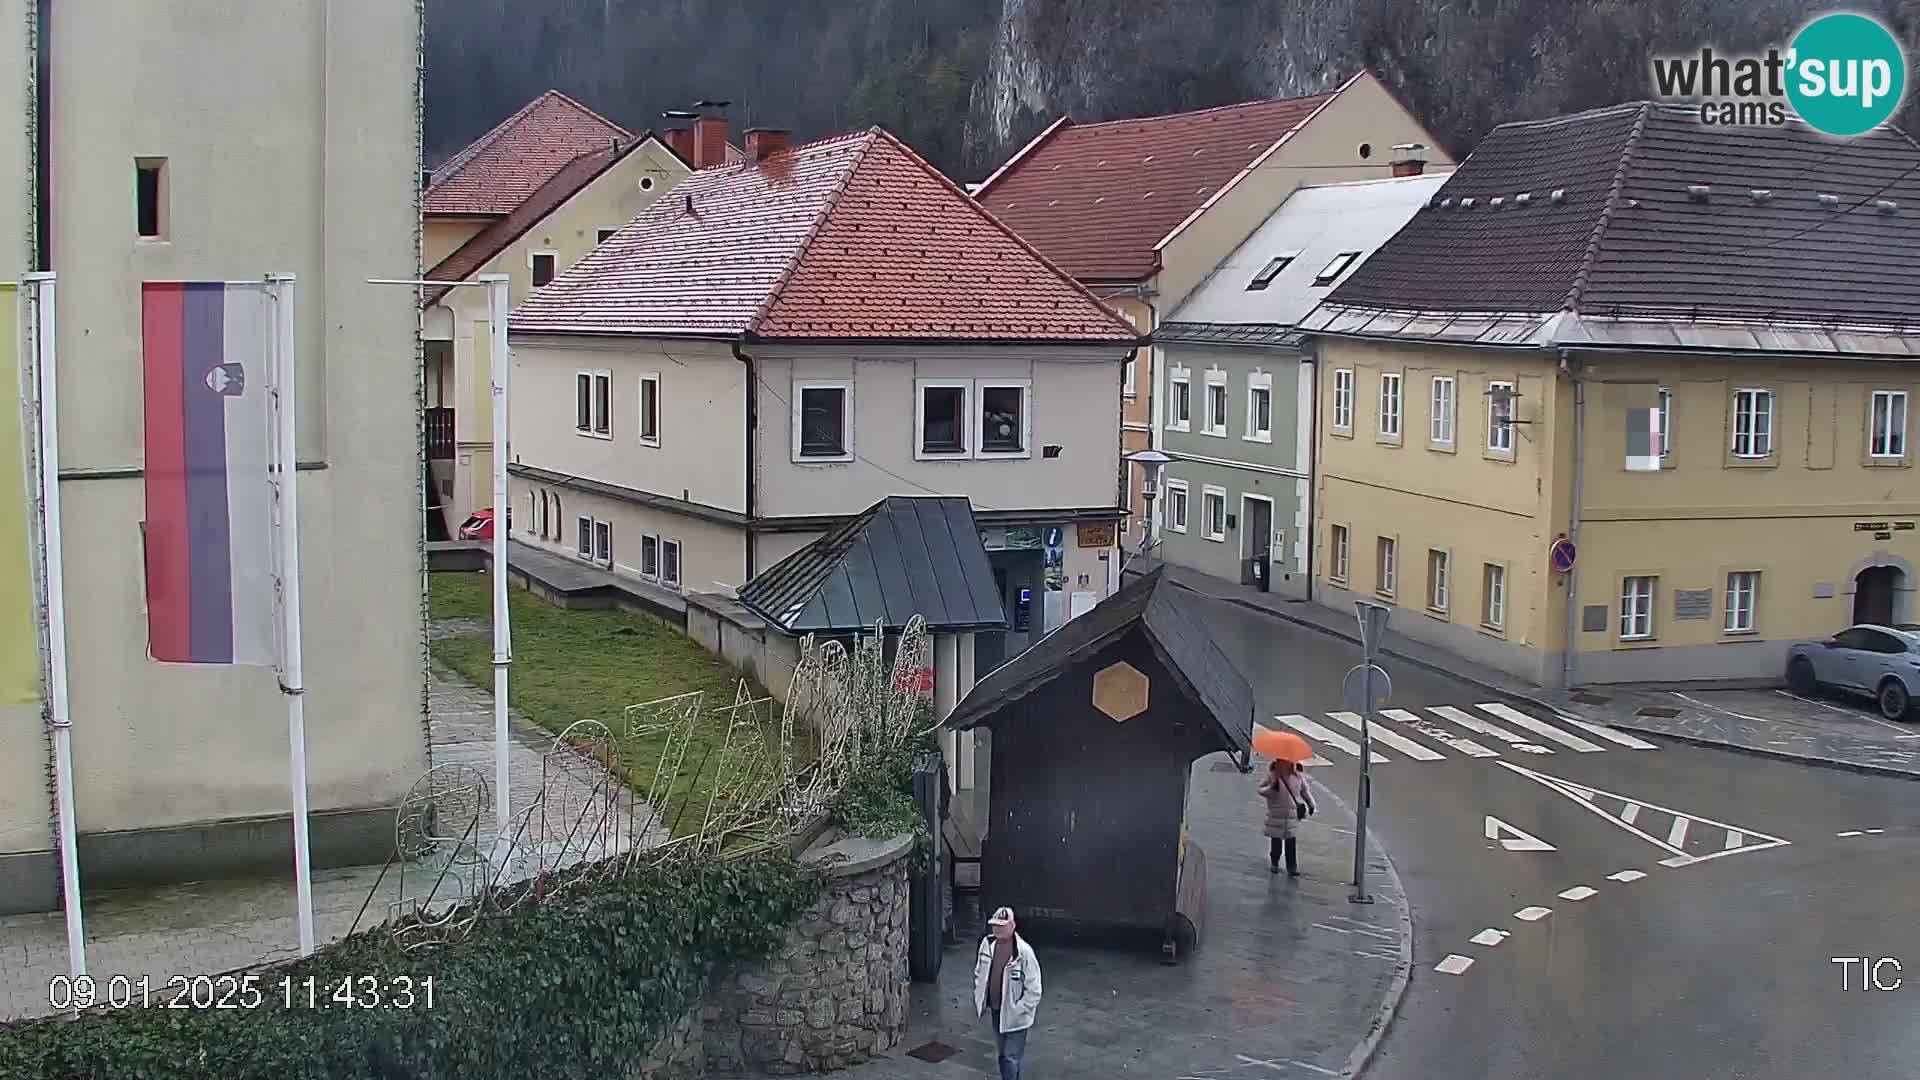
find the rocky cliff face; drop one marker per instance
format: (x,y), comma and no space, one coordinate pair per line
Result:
(965,81)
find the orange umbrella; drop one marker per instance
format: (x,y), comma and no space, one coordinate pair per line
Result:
(1281,745)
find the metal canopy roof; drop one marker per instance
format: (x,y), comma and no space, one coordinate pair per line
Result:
(903,556)
(1172,629)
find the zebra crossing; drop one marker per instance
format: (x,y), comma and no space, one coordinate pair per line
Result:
(1440,732)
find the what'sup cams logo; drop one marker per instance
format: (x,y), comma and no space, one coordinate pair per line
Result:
(1844,74)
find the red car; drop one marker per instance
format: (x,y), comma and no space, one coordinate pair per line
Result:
(478,527)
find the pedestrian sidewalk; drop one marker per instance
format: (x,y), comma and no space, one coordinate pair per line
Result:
(211,927)
(1290,978)
(1757,721)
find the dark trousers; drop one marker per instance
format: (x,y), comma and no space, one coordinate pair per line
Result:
(1012,1047)
(1288,849)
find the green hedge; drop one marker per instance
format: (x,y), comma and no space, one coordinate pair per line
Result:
(581,986)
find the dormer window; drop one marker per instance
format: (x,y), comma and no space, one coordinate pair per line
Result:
(1271,270)
(1332,271)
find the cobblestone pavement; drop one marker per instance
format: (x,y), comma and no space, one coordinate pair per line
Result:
(1774,722)
(1287,979)
(205,928)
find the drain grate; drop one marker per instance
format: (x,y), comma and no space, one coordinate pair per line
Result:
(1591,699)
(933,1052)
(1657,710)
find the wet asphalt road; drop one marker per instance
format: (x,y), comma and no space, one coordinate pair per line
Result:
(1717,969)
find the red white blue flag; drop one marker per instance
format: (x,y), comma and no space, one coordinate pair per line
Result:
(209,528)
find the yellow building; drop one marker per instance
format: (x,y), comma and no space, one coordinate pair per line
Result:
(1683,355)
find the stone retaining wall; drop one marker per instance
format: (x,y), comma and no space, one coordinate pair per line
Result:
(833,996)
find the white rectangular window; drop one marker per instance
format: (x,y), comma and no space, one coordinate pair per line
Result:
(583,537)
(1493,596)
(1500,417)
(1743,596)
(670,563)
(1213,513)
(1752,423)
(1440,420)
(1177,505)
(593,403)
(1438,583)
(1126,385)
(1180,400)
(602,541)
(543,264)
(1006,423)
(823,421)
(650,409)
(1259,407)
(1342,555)
(1666,422)
(650,557)
(941,418)
(1216,402)
(1636,608)
(1888,438)
(1386,566)
(1343,400)
(1390,405)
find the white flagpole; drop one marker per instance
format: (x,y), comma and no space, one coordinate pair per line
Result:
(497,299)
(46,416)
(287,523)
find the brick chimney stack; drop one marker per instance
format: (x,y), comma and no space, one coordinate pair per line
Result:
(763,142)
(710,134)
(1409,159)
(681,139)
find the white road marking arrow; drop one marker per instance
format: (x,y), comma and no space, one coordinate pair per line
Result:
(1514,839)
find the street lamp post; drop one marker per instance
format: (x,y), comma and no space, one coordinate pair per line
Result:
(1154,463)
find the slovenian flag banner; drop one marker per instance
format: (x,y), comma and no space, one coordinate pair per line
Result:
(209,528)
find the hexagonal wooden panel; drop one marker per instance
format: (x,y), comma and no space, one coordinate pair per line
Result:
(1120,691)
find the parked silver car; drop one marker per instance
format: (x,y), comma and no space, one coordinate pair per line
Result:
(1881,662)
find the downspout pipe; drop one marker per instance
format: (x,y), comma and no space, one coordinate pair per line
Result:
(1570,368)
(1310,356)
(752,395)
(43,137)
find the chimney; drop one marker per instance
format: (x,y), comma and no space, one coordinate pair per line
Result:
(1409,159)
(709,142)
(763,142)
(681,139)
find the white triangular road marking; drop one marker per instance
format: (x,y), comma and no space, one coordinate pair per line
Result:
(1514,839)
(1583,796)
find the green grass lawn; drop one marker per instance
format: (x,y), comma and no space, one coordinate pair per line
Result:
(573,665)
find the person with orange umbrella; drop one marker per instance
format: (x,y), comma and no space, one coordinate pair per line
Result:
(1288,797)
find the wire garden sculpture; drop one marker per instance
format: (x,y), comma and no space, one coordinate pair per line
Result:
(614,799)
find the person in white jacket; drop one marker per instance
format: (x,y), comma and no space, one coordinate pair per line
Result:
(1006,983)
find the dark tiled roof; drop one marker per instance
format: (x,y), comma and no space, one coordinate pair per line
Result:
(502,232)
(1272,335)
(1164,615)
(1626,237)
(853,237)
(1096,198)
(905,556)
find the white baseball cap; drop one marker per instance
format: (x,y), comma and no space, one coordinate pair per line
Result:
(1001,917)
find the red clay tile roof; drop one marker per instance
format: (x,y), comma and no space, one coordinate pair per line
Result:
(849,238)
(1790,225)
(499,170)
(1096,198)
(502,232)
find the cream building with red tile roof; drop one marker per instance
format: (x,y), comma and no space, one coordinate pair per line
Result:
(780,343)
(1142,210)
